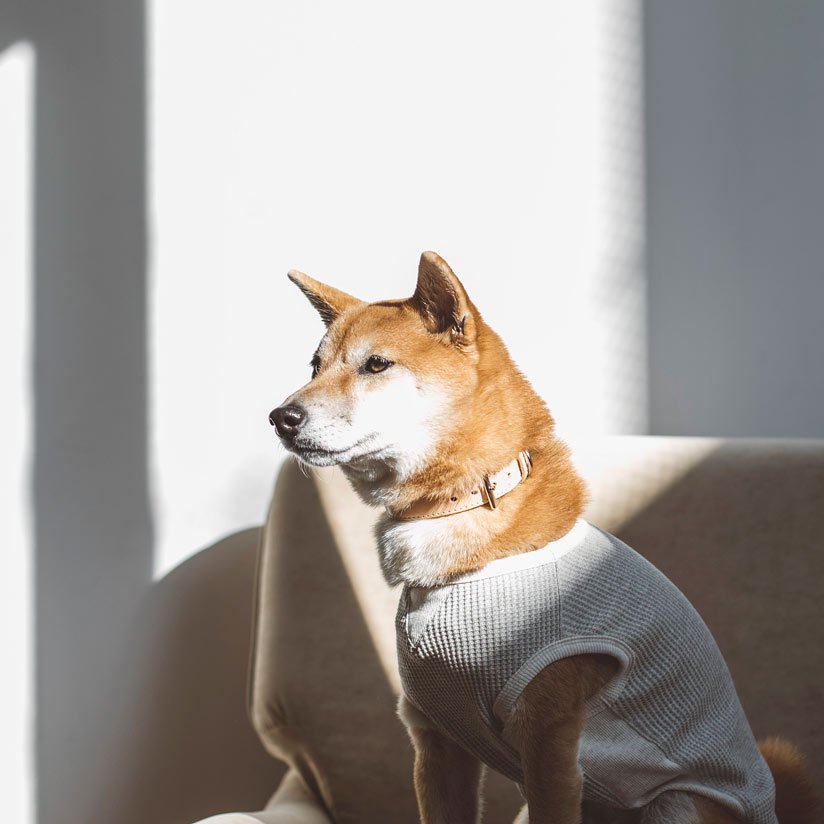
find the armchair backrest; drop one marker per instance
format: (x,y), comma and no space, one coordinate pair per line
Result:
(737,525)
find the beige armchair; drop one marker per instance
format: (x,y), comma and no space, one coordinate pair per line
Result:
(738,525)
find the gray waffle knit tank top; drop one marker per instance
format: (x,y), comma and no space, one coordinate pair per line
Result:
(670,719)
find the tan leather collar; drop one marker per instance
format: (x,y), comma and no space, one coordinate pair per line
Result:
(487,493)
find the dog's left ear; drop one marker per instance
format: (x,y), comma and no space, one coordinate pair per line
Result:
(329,302)
(442,302)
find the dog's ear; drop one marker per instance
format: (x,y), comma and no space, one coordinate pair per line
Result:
(441,300)
(329,302)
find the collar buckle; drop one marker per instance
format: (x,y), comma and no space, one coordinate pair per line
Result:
(489,488)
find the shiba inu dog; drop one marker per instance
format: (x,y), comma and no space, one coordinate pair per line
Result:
(528,640)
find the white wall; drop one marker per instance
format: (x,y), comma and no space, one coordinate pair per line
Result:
(344,139)
(176,168)
(16,596)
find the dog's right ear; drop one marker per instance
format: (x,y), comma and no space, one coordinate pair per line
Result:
(329,302)
(441,301)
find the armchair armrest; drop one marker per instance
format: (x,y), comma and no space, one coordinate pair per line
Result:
(293,803)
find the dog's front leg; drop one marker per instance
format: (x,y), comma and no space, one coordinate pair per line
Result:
(447,778)
(546,724)
(552,777)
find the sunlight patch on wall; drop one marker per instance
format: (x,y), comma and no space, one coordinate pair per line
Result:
(16,635)
(344,139)
(579,261)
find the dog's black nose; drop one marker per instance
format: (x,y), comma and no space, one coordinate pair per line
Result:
(287,420)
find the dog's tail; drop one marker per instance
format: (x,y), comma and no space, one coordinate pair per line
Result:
(796,800)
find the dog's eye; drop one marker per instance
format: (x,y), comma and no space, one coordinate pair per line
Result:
(376,364)
(315,364)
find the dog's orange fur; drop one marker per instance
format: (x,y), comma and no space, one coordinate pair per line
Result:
(496,413)
(499,414)
(447,778)
(552,709)
(796,800)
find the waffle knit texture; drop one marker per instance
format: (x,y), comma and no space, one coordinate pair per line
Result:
(670,719)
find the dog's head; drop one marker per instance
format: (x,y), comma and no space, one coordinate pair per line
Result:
(388,378)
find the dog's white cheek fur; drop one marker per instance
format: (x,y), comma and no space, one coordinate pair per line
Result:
(404,416)
(397,423)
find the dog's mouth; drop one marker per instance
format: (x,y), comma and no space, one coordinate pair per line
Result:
(315,454)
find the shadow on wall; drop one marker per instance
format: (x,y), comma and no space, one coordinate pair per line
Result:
(93,533)
(132,722)
(734,123)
